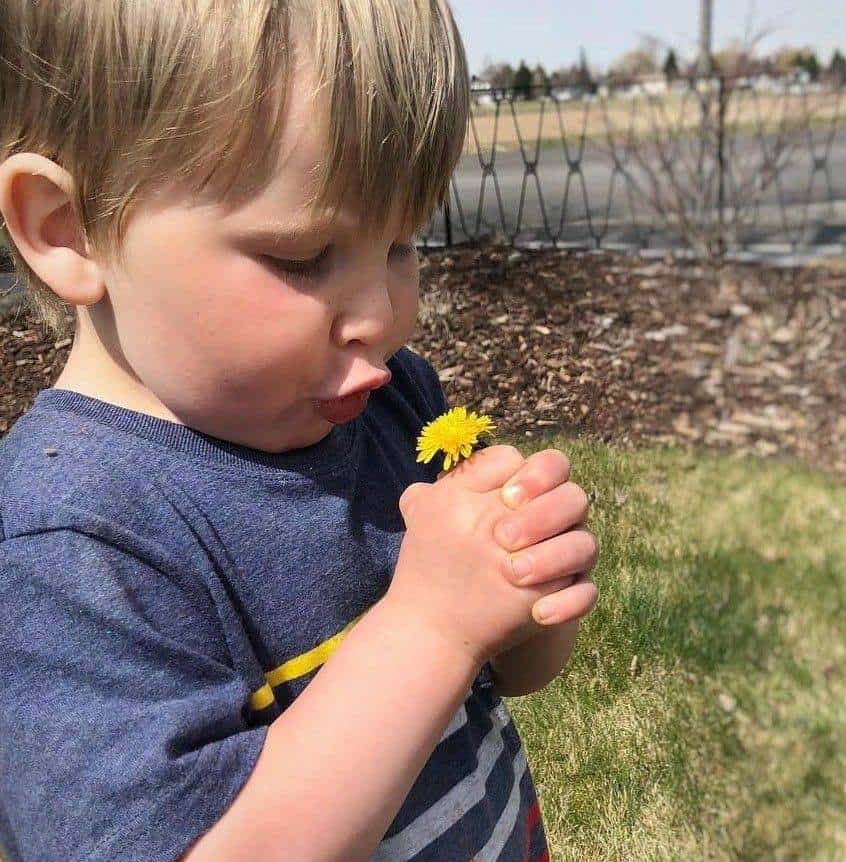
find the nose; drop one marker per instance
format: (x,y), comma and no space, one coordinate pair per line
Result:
(367,314)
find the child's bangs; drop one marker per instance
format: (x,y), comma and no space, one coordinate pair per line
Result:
(394,85)
(392,106)
(130,97)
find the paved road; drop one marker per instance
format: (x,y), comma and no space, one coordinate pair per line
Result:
(807,206)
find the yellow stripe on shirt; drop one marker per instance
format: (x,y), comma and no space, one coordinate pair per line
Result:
(298,666)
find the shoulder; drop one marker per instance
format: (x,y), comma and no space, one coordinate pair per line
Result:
(90,519)
(416,380)
(59,469)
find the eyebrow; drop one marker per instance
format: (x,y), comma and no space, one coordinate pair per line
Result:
(291,232)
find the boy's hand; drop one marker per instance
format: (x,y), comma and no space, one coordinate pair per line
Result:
(451,574)
(549,540)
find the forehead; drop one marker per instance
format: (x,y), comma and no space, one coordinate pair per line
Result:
(302,146)
(302,149)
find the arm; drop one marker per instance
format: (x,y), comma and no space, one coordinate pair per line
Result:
(338,763)
(535,662)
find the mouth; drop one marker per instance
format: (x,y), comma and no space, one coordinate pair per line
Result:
(346,407)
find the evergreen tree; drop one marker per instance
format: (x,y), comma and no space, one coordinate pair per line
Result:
(584,78)
(523,81)
(671,66)
(808,61)
(837,69)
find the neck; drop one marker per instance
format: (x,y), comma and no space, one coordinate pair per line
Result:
(101,371)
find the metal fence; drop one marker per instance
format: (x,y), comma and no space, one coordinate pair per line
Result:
(717,166)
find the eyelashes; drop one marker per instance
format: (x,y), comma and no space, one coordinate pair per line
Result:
(302,268)
(313,267)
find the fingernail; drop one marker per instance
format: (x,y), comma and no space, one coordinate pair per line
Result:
(522,567)
(544,611)
(507,531)
(513,494)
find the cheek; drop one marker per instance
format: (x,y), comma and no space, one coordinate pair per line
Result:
(223,325)
(259,321)
(406,301)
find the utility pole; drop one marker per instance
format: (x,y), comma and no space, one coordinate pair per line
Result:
(706,16)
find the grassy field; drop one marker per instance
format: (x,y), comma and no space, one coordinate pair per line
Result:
(703,716)
(644,116)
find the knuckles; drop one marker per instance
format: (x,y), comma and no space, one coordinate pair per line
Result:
(581,501)
(554,454)
(409,497)
(504,453)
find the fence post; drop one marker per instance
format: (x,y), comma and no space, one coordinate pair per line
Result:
(721,163)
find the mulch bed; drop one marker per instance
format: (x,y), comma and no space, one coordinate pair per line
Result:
(614,346)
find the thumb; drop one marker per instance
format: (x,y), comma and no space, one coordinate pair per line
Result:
(409,497)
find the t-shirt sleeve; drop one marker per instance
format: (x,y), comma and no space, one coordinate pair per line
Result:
(123,731)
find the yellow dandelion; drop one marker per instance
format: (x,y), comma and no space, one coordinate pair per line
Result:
(455,432)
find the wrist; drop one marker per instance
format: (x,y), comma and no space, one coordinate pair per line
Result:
(441,645)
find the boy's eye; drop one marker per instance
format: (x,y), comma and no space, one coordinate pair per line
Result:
(311,268)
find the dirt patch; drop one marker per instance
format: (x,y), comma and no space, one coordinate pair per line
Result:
(739,356)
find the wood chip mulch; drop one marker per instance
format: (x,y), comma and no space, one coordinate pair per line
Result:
(738,356)
(742,357)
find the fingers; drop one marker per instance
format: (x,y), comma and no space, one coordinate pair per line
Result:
(569,553)
(565,605)
(553,512)
(487,469)
(541,472)
(409,497)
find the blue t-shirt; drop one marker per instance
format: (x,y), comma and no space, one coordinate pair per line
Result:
(165,595)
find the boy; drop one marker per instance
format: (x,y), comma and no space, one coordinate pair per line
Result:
(239,621)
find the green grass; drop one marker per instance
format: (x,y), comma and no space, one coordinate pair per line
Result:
(725,577)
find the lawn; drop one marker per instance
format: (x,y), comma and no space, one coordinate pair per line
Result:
(703,715)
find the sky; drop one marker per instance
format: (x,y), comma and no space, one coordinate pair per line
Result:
(551,32)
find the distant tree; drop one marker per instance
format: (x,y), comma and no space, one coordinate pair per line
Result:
(498,74)
(784,60)
(671,66)
(522,81)
(584,79)
(837,67)
(566,76)
(788,60)
(559,77)
(653,46)
(737,59)
(634,63)
(540,81)
(808,61)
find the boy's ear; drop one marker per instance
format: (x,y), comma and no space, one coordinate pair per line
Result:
(35,200)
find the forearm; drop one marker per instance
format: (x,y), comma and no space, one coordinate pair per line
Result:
(535,662)
(338,763)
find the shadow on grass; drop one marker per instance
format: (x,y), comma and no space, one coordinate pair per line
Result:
(713,620)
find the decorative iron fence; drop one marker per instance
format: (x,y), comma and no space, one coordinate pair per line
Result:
(718,165)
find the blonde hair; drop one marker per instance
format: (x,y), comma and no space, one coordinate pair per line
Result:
(132,95)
